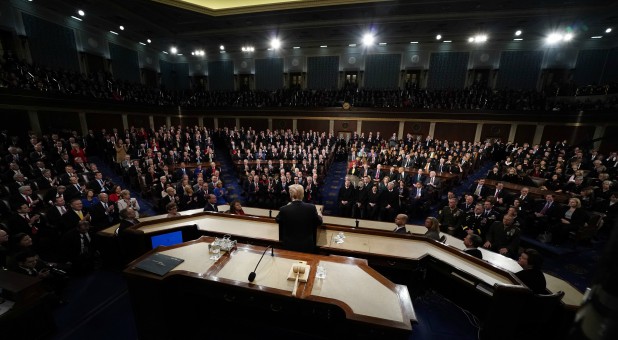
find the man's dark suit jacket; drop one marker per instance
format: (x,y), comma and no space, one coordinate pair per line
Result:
(474,252)
(211,207)
(298,223)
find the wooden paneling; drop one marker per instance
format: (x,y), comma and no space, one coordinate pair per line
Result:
(495,131)
(416,128)
(209,122)
(184,121)
(103,120)
(455,131)
(17,123)
(313,124)
(229,123)
(52,121)
(279,124)
(524,134)
(257,124)
(386,128)
(159,121)
(610,142)
(139,121)
(344,126)
(573,134)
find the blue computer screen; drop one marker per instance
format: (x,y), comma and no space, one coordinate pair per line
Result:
(168,239)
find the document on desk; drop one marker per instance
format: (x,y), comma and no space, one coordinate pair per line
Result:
(159,264)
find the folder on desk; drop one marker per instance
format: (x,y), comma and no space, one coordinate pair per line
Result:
(159,264)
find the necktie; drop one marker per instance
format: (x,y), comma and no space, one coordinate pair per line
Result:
(80,214)
(62,210)
(478,190)
(85,244)
(544,210)
(28,200)
(432,180)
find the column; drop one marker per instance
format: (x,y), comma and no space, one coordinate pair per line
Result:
(432,130)
(538,134)
(35,125)
(216,123)
(151,121)
(82,123)
(200,121)
(359,126)
(512,132)
(238,123)
(331,126)
(270,124)
(125,121)
(400,132)
(168,121)
(294,125)
(479,131)
(599,132)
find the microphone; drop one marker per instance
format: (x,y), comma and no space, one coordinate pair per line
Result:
(253,274)
(356,223)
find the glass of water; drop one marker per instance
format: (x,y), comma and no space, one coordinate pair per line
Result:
(215,250)
(320,272)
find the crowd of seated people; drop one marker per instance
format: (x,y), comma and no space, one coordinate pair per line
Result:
(19,75)
(270,161)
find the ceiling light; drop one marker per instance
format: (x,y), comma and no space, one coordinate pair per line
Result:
(597,37)
(148,41)
(222,48)
(518,39)
(567,37)
(480,38)
(413,42)
(352,45)
(112,32)
(76,18)
(323,46)
(296,47)
(275,43)
(368,39)
(518,33)
(165,52)
(173,50)
(382,44)
(121,27)
(438,37)
(554,38)
(609,30)
(141,43)
(448,41)
(192,53)
(179,54)
(471,39)
(270,48)
(81,13)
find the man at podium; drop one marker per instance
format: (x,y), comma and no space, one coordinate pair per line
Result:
(298,222)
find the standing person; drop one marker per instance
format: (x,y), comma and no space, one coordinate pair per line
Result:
(211,205)
(531,275)
(298,222)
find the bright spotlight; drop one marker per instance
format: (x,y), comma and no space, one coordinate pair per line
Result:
(81,13)
(438,37)
(148,40)
(275,43)
(121,28)
(609,30)
(554,38)
(173,50)
(518,33)
(471,39)
(567,37)
(368,39)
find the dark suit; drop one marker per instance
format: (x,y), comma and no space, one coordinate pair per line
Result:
(100,217)
(474,252)
(70,219)
(211,207)
(298,223)
(72,250)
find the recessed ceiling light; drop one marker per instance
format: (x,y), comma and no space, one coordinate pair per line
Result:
(518,39)
(112,32)
(165,52)
(296,47)
(382,43)
(270,48)
(141,43)
(609,30)
(597,37)
(148,41)
(275,43)
(323,46)
(352,45)
(222,47)
(518,32)
(81,13)
(76,18)
(121,27)
(174,50)
(448,41)
(368,39)
(568,37)
(438,37)
(179,54)
(413,42)
(471,39)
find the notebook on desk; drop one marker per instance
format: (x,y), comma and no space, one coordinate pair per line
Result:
(159,264)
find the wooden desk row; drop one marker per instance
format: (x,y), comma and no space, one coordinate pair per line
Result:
(533,192)
(353,295)
(371,238)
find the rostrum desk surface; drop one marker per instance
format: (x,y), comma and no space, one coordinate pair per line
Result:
(363,240)
(364,295)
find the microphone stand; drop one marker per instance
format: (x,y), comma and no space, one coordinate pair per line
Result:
(252,275)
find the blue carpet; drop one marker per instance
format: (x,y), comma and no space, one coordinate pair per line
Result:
(432,311)
(330,189)
(228,175)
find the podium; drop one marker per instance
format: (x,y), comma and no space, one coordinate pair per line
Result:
(202,298)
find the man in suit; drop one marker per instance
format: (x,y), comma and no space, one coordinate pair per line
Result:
(182,171)
(54,214)
(298,223)
(75,214)
(390,202)
(23,221)
(377,175)
(98,185)
(546,214)
(74,190)
(472,242)
(104,213)
(503,237)
(473,222)
(416,199)
(346,199)
(24,196)
(526,200)
(419,177)
(479,191)
(400,222)
(211,205)
(79,248)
